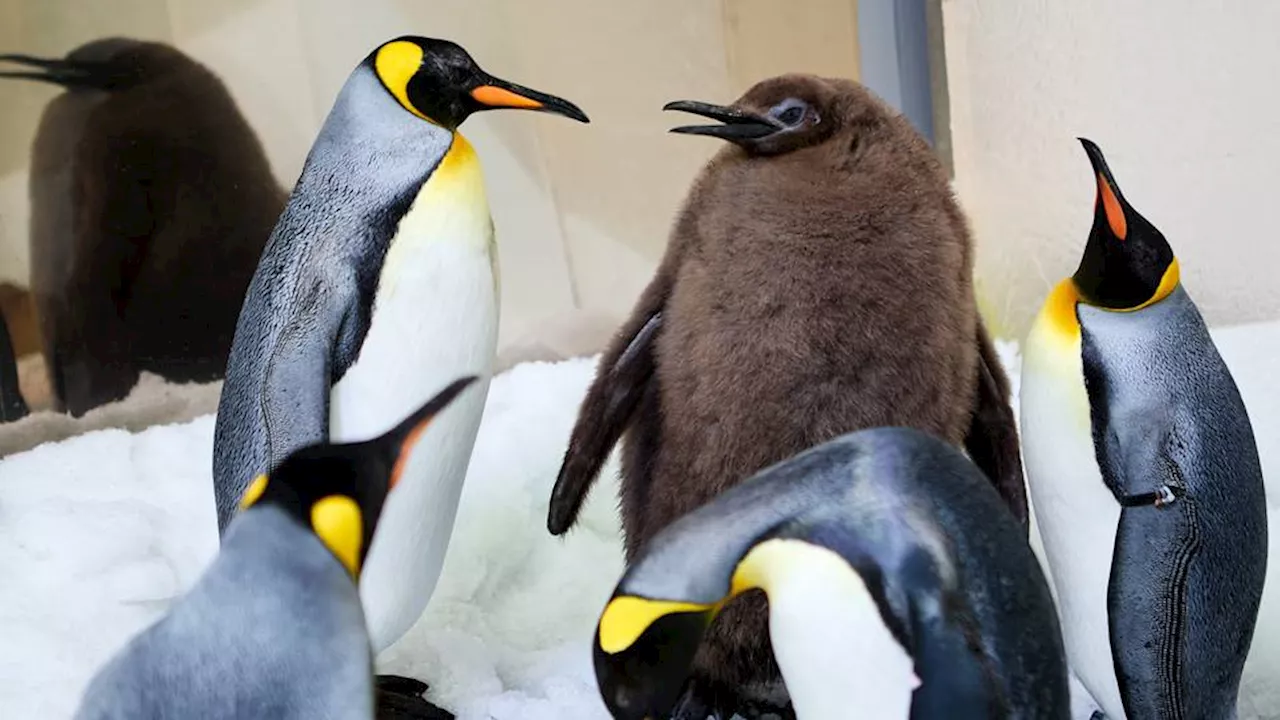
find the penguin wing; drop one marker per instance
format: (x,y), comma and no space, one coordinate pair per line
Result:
(624,373)
(992,439)
(300,370)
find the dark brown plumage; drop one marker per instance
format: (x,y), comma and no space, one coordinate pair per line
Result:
(151,201)
(818,280)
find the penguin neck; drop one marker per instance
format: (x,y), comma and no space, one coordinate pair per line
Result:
(451,206)
(370,148)
(265,536)
(831,643)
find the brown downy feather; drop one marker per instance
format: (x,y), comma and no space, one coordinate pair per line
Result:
(152,199)
(807,292)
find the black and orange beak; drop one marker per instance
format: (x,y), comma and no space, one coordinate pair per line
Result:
(736,125)
(493,93)
(399,441)
(1110,205)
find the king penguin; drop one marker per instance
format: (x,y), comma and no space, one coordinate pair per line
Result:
(151,200)
(274,628)
(1144,475)
(897,588)
(378,284)
(818,280)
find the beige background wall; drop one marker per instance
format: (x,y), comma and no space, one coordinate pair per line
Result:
(1181,96)
(582,212)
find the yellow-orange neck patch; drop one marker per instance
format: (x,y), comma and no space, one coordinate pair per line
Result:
(1172,276)
(1059,309)
(396,63)
(460,155)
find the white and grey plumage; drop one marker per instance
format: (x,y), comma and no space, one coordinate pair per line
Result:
(274,628)
(378,285)
(899,585)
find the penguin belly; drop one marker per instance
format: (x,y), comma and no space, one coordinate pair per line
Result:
(837,656)
(435,319)
(1077,515)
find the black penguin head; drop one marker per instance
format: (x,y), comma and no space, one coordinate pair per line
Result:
(645,643)
(1127,264)
(338,490)
(109,64)
(643,652)
(438,81)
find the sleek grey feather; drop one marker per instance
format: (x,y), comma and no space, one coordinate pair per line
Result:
(274,629)
(309,304)
(1176,448)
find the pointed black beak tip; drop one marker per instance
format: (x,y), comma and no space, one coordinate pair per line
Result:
(573,112)
(459,385)
(737,125)
(1096,158)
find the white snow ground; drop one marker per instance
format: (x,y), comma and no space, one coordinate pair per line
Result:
(98,532)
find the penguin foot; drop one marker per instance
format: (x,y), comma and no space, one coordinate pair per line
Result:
(400,698)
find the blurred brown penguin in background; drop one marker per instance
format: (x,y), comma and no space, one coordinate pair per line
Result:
(818,280)
(151,200)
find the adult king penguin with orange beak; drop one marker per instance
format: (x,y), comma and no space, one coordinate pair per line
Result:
(378,286)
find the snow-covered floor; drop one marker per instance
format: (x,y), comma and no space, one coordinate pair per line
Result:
(98,532)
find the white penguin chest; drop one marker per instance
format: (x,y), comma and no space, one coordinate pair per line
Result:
(434,321)
(435,311)
(830,641)
(1077,515)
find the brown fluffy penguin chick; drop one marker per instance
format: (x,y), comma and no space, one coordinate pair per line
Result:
(152,199)
(818,281)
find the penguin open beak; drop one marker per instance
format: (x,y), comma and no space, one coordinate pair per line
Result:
(66,73)
(493,93)
(737,124)
(1110,203)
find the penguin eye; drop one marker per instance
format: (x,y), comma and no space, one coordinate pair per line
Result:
(791,112)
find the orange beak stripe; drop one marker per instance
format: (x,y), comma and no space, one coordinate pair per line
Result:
(405,447)
(498,97)
(1111,205)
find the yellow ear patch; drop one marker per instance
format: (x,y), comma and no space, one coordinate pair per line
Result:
(339,524)
(396,63)
(253,492)
(626,618)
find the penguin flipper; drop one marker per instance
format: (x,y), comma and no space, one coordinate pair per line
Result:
(621,380)
(992,439)
(299,375)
